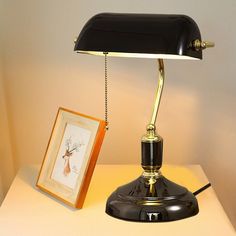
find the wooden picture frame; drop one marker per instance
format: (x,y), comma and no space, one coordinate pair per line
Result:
(71,156)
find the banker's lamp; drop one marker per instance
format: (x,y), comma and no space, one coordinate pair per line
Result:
(151,197)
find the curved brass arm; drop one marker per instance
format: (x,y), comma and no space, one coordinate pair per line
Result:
(151,134)
(158,92)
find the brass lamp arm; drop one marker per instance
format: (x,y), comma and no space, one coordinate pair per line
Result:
(158,91)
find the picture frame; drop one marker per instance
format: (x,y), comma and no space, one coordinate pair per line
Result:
(71,156)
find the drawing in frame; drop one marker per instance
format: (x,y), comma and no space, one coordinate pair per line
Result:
(71,156)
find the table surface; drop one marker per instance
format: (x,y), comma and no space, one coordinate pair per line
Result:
(28,211)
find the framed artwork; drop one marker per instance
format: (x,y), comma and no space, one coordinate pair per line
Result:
(71,156)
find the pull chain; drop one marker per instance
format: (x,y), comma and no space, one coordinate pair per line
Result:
(106,95)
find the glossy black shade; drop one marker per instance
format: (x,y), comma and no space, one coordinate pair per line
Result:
(141,35)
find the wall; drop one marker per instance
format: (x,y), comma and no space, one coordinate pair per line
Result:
(6,159)
(1,186)
(1,183)
(1,190)
(7,170)
(197,113)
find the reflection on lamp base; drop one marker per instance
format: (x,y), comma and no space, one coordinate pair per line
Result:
(152,198)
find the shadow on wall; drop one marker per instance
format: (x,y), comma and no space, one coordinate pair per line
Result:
(6,158)
(1,191)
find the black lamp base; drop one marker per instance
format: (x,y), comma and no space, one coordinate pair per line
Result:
(152,198)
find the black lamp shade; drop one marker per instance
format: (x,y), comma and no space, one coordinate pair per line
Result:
(140,35)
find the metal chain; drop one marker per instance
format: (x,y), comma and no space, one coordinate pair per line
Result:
(106,93)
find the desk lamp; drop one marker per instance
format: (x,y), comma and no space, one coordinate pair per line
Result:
(151,197)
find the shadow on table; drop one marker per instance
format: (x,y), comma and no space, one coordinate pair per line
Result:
(29,174)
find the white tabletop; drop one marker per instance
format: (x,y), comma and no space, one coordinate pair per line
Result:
(28,211)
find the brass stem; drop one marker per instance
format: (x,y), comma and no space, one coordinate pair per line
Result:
(158,92)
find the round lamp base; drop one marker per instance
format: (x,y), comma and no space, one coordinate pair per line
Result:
(152,200)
